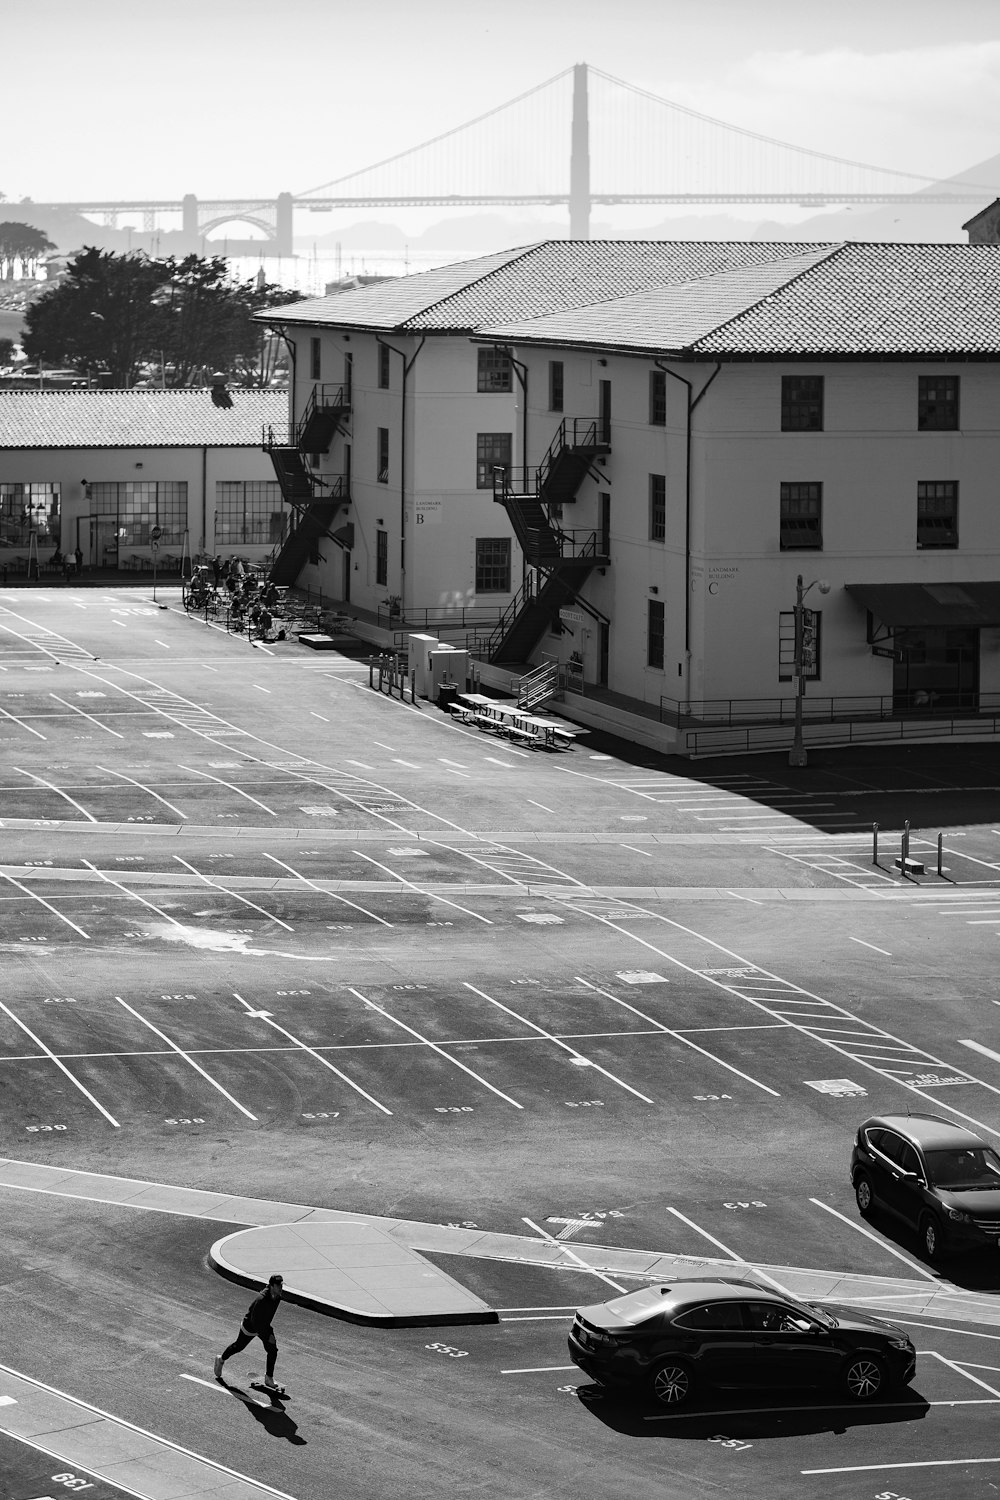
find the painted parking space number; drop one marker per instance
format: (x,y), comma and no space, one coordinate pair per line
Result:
(735,1443)
(754,1203)
(447,1349)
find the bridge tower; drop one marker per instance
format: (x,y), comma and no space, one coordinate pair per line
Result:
(189,215)
(283,213)
(579,160)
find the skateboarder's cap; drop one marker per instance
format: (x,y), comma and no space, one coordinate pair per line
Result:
(279,1279)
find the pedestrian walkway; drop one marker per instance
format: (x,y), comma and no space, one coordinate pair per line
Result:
(82,1436)
(933,1297)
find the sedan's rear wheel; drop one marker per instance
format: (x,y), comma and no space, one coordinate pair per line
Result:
(671,1383)
(864,1377)
(863,1193)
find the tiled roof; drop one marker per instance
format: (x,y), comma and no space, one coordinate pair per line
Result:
(181,418)
(879,300)
(527,283)
(730,298)
(669,317)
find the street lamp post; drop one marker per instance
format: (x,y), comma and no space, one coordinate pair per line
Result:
(798,756)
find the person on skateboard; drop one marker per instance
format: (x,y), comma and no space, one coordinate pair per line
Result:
(257,1324)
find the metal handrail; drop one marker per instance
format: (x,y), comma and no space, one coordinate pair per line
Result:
(866,731)
(328,397)
(839,709)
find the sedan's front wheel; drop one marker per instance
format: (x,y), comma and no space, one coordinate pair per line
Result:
(864,1377)
(864,1195)
(671,1383)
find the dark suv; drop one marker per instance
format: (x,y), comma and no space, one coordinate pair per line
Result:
(934,1175)
(666,1340)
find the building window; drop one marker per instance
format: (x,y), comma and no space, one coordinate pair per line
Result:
(383,367)
(27,508)
(492,564)
(811,621)
(658,398)
(381,556)
(802,403)
(557,378)
(937,403)
(655,631)
(249,512)
(382,456)
(657,507)
(495,371)
(139,507)
(493,451)
(315,359)
(937,513)
(801,517)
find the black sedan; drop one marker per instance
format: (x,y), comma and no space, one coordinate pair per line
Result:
(667,1340)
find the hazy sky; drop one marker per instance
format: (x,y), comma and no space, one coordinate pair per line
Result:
(121,98)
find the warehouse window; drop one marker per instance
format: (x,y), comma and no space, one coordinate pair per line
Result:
(492,564)
(801,517)
(494,370)
(493,451)
(655,633)
(802,403)
(249,512)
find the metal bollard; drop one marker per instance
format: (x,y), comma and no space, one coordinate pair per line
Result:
(874,843)
(940,867)
(906,842)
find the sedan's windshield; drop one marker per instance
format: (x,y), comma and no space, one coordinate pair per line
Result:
(970,1167)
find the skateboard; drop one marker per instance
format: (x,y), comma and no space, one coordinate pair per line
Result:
(277,1391)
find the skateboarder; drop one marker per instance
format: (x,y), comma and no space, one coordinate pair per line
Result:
(257,1324)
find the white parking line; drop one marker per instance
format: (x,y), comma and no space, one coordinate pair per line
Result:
(335,894)
(637,851)
(927,1463)
(913,1265)
(260,1015)
(539,1370)
(680,1037)
(20,722)
(435,1048)
(84,715)
(61,1066)
(559,1043)
(189,1060)
(959,1370)
(36,897)
(234,894)
(148,789)
(572,1255)
(738,1259)
(872,946)
(978,1047)
(218,779)
(59,793)
(541,805)
(431,895)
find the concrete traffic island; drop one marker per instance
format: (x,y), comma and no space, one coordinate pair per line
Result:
(349,1269)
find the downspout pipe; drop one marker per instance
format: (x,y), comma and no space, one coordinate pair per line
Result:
(692,402)
(521,372)
(204,502)
(407,367)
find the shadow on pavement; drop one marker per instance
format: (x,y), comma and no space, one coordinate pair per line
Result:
(273,1418)
(748,1415)
(976,1271)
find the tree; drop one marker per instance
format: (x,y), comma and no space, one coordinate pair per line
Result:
(6,351)
(114,313)
(24,243)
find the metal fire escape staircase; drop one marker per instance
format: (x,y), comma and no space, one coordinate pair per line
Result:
(561,559)
(315,503)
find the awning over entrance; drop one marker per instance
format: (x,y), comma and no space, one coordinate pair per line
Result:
(901,605)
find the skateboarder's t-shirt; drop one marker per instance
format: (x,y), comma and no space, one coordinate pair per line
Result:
(260,1313)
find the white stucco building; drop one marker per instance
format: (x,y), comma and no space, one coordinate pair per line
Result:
(97,469)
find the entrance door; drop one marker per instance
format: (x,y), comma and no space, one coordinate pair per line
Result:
(602,666)
(939,670)
(103,541)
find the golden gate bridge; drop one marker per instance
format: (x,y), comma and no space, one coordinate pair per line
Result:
(579,139)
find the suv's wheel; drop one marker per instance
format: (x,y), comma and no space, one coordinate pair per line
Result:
(864,1377)
(931,1238)
(863,1193)
(671,1383)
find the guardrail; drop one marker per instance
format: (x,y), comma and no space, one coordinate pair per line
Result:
(730,711)
(760,737)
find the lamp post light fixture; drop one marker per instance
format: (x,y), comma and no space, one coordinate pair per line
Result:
(798,756)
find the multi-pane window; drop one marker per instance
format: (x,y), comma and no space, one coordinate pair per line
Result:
(492,564)
(381,556)
(655,633)
(801,517)
(315,359)
(811,621)
(493,451)
(557,383)
(249,512)
(937,403)
(25,508)
(495,371)
(384,357)
(658,398)
(802,403)
(382,456)
(657,507)
(141,506)
(937,513)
